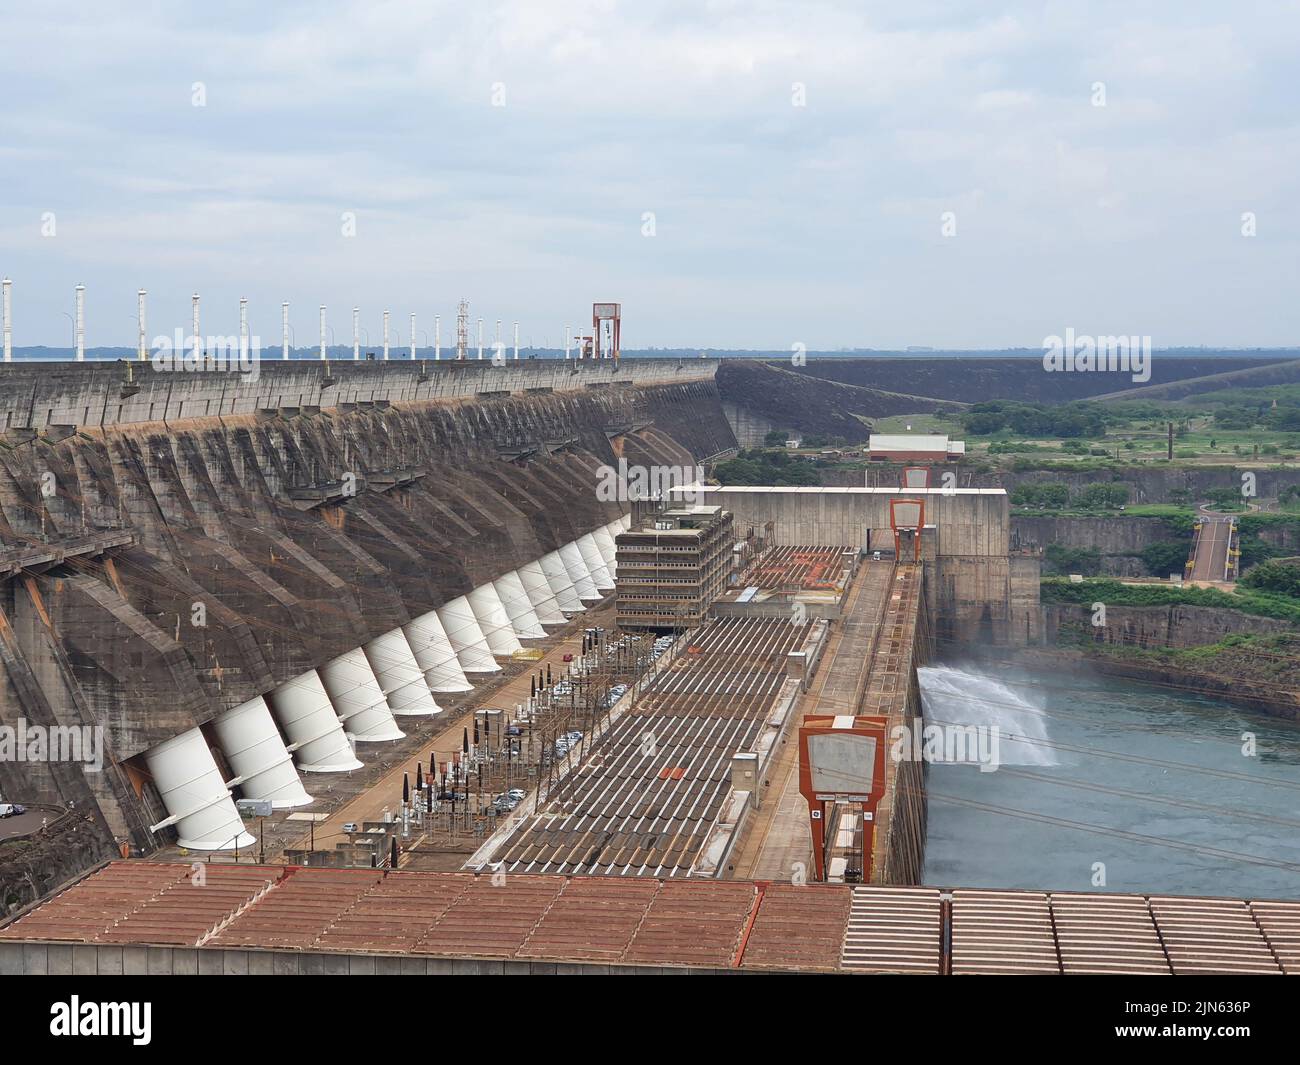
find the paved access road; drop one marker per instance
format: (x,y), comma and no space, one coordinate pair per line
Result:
(10,827)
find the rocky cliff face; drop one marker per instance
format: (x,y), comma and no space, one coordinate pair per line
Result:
(1158,484)
(35,865)
(1163,626)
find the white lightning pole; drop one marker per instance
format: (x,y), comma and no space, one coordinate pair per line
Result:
(322,332)
(437,337)
(143,352)
(567,339)
(480,338)
(356,334)
(194,324)
(516,341)
(81,323)
(412,337)
(243,328)
(385,336)
(284,330)
(5,311)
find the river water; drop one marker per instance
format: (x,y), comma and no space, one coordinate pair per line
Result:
(1107,784)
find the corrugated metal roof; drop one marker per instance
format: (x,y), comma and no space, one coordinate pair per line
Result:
(655,922)
(620,814)
(908,442)
(894,930)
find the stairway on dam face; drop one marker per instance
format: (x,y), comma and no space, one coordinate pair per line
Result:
(249,564)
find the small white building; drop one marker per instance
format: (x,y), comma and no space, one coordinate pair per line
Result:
(913,447)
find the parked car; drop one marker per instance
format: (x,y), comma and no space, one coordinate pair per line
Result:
(12,809)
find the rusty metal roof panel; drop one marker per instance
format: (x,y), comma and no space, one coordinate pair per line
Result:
(593,919)
(693,922)
(296,912)
(488,920)
(392,915)
(91,906)
(187,910)
(799,927)
(683,922)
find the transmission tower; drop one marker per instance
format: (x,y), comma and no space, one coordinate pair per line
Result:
(462,330)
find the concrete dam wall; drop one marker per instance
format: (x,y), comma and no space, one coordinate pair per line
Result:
(120,393)
(154,576)
(982,591)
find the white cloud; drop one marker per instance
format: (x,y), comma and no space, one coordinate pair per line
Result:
(766,212)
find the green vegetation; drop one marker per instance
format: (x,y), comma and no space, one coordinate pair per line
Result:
(1266,658)
(1114,593)
(1061,559)
(1225,499)
(1035,419)
(1277,407)
(1053,496)
(1254,548)
(1251,425)
(1019,447)
(1178,518)
(1101,496)
(1166,556)
(1063,465)
(917,423)
(778,437)
(1279,575)
(766,467)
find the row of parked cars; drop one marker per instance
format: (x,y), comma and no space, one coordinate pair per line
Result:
(11,809)
(567,742)
(508,800)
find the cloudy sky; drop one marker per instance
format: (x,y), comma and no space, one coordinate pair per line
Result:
(736,174)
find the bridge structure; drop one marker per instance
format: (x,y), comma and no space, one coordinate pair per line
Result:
(1215,549)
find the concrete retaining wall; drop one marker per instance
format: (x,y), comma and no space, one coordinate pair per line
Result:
(33,395)
(970,521)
